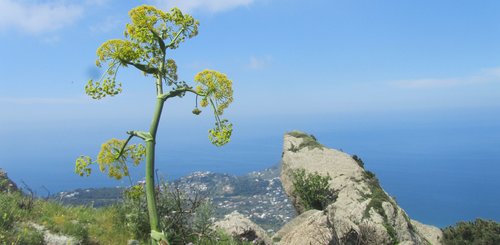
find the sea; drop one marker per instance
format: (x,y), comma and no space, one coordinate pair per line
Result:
(441,167)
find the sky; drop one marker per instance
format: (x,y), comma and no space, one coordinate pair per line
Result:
(321,66)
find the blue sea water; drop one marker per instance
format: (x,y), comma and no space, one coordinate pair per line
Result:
(437,175)
(441,167)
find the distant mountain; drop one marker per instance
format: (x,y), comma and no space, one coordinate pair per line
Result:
(96,197)
(257,195)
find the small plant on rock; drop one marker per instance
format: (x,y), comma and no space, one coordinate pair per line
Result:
(359,161)
(312,189)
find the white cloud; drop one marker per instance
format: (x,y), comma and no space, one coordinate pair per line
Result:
(51,39)
(212,6)
(257,63)
(43,101)
(96,2)
(483,76)
(107,25)
(35,17)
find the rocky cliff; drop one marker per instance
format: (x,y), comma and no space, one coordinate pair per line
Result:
(6,184)
(361,213)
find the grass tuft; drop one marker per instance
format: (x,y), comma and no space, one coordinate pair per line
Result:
(308,140)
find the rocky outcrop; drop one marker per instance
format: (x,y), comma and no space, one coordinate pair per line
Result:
(242,228)
(6,184)
(362,213)
(431,233)
(311,227)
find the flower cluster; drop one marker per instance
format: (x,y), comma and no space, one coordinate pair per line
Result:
(221,134)
(149,34)
(99,90)
(112,158)
(216,88)
(150,23)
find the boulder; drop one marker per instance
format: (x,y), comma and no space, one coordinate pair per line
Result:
(311,228)
(431,233)
(243,228)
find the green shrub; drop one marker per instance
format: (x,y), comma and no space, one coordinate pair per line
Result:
(7,211)
(12,216)
(185,217)
(312,190)
(370,176)
(476,232)
(12,208)
(89,225)
(29,236)
(69,220)
(378,195)
(77,230)
(359,161)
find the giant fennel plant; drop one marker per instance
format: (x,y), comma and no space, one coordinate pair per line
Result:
(149,38)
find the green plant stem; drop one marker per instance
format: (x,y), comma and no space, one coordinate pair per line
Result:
(150,189)
(150,166)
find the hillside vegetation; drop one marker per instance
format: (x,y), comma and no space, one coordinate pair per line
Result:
(121,222)
(20,214)
(476,232)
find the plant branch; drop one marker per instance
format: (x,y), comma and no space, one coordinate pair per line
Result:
(215,111)
(175,38)
(159,39)
(145,68)
(111,66)
(146,136)
(178,92)
(124,145)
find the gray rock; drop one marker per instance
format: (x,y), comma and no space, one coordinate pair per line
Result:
(55,239)
(431,233)
(133,242)
(241,227)
(313,228)
(362,212)
(288,227)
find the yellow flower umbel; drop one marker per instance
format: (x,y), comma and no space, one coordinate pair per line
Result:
(216,89)
(112,158)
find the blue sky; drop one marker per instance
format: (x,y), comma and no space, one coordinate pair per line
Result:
(285,57)
(319,66)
